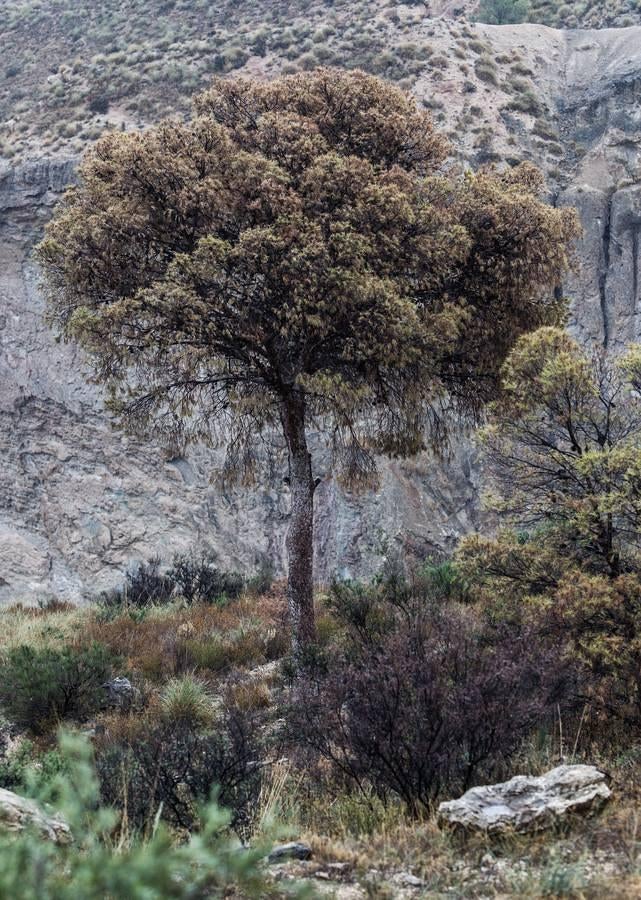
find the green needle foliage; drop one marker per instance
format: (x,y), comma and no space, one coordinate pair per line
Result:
(564,447)
(299,256)
(208,865)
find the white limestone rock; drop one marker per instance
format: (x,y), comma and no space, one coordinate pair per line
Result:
(528,803)
(17,813)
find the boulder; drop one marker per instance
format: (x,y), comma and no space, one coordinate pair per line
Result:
(18,813)
(527,803)
(121,694)
(293,850)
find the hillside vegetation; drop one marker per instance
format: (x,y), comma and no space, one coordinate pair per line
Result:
(71,69)
(559,14)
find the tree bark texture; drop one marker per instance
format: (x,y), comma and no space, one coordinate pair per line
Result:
(299,543)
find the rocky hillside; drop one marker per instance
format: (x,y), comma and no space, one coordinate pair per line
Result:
(78,502)
(71,69)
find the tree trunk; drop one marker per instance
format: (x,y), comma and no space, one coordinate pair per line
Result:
(300,547)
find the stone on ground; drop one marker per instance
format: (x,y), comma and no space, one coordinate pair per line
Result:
(17,813)
(528,803)
(293,850)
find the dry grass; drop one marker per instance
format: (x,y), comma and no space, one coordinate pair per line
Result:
(54,626)
(251,695)
(596,858)
(209,638)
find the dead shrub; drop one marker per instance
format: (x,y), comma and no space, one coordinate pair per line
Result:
(419,697)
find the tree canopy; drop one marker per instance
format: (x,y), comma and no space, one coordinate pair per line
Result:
(564,450)
(563,446)
(299,253)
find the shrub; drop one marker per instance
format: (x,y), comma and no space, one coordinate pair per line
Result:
(40,687)
(443,580)
(261,582)
(208,865)
(486,71)
(526,102)
(99,103)
(596,621)
(197,578)
(24,770)
(14,763)
(503,12)
(250,643)
(169,771)
(143,587)
(193,576)
(251,695)
(186,701)
(421,698)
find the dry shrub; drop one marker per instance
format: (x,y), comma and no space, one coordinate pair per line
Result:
(251,695)
(420,698)
(43,610)
(115,727)
(203,636)
(168,771)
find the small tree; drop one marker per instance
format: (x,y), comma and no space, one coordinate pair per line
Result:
(503,12)
(296,255)
(564,447)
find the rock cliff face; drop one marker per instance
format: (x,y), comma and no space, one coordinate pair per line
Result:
(79,502)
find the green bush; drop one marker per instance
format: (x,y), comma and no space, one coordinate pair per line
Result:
(13,766)
(442,581)
(41,687)
(18,772)
(503,12)
(208,865)
(187,701)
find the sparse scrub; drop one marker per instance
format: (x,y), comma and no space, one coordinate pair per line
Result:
(40,688)
(173,640)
